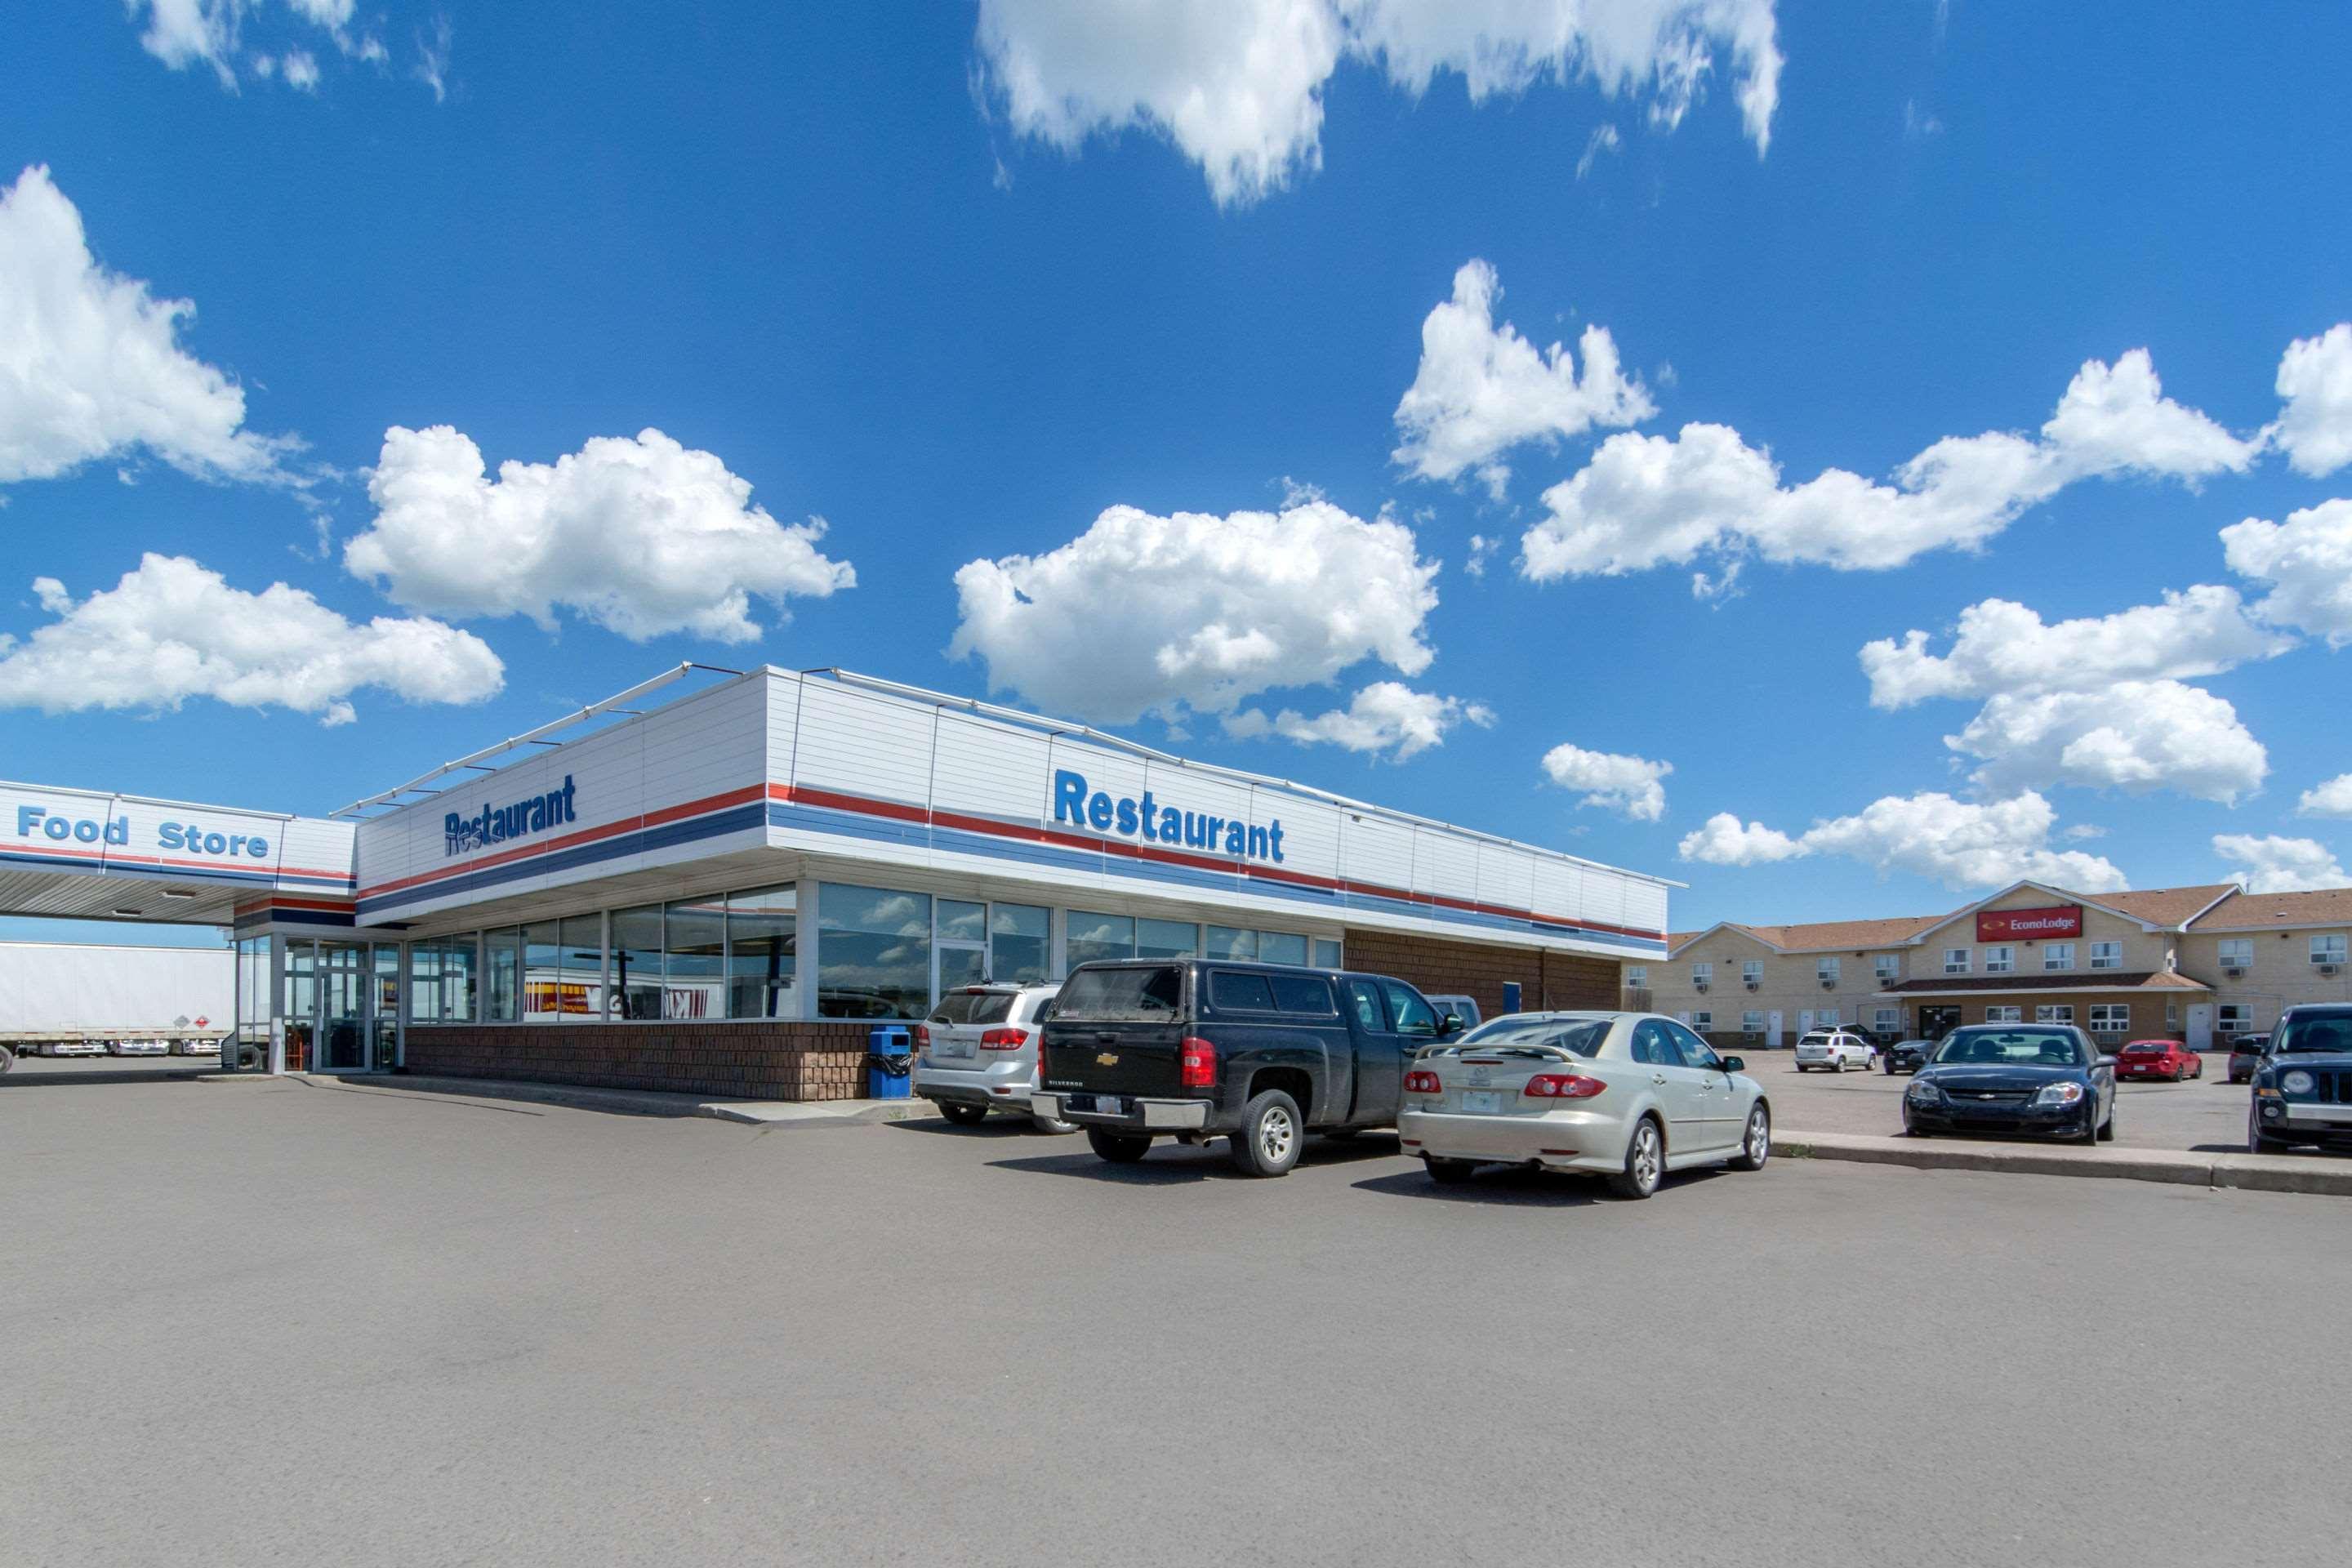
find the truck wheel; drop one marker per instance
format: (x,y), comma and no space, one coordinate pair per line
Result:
(1119,1148)
(1446,1173)
(7,1058)
(1267,1141)
(963,1115)
(1646,1163)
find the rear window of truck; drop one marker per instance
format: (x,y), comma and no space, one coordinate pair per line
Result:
(1120,995)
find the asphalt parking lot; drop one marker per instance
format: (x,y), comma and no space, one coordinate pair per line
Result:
(2205,1113)
(288,1320)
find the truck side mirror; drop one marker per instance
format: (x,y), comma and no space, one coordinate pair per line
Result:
(1449,1025)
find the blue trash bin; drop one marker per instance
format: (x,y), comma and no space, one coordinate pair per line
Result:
(889,1062)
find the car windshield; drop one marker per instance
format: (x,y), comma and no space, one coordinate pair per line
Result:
(973,1007)
(1578,1037)
(2328,1032)
(1120,995)
(2011,1048)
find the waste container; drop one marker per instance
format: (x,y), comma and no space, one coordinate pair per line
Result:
(889,1062)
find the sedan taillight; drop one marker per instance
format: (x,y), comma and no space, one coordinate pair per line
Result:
(1004,1039)
(1563,1086)
(1422,1083)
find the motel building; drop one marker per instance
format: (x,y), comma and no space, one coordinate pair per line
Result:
(2200,965)
(722,891)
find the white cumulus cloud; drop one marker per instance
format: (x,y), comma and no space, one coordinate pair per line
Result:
(1650,501)
(2276,865)
(172,629)
(91,363)
(2332,797)
(212,33)
(2002,647)
(2314,380)
(1483,388)
(1237,85)
(1962,844)
(1386,716)
(2133,735)
(1143,613)
(642,535)
(2306,561)
(1633,787)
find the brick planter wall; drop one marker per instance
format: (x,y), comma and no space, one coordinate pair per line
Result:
(1546,979)
(798,1061)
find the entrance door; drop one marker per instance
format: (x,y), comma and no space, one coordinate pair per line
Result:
(955,965)
(2200,1025)
(1805,1022)
(383,1029)
(1772,1030)
(1934,1023)
(343,983)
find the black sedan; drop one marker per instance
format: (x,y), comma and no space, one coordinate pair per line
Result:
(2245,1056)
(2302,1085)
(1906,1056)
(2045,1079)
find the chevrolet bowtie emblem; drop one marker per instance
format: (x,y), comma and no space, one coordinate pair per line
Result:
(1108,1059)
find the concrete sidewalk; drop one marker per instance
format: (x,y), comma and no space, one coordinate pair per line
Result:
(627,1101)
(2198,1168)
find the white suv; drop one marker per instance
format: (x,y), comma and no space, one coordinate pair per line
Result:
(977,1051)
(1834,1050)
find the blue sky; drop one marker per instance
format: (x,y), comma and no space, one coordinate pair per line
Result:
(959,280)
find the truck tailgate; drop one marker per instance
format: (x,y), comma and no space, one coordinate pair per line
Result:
(1116,1029)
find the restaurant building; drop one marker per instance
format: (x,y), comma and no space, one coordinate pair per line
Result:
(2200,965)
(722,892)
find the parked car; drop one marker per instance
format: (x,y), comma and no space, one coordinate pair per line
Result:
(978,1052)
(1907,1056)
(1628,1096)
(2302,1085)
(2159,1058)
(1258,1054)
(1833,1051)
(2245,1055)
(2014,1078)
(1462,1008)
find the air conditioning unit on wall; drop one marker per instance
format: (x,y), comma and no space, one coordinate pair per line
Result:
(1756,986)
(1828,984)
(2327,969)
(1699,985)
(2235,973)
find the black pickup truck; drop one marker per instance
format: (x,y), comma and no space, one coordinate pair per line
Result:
(1260,1054)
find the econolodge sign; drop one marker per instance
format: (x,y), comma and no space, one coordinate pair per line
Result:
(2028,925)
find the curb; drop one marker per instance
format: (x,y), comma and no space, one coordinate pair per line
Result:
(2252,1173)
(763,1113)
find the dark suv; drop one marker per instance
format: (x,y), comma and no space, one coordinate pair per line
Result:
(2303,1084)
(1259,1054)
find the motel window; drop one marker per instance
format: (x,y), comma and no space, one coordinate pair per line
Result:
(1637,977)
(1887,1020)
(2106,955)
(1751,1023)
(1281,947)
(1702,974)
(1888,968)
(1326,954)
(1702,1022)
(1167,938)
(1751,971)
(1826,969)
(2004,1014)
(2171,1016)
(2000,961)
(2327,947)
(2058,955)
(1956,961)
(1230,942)
(1827,1018)
(873,953)
(2054,1013)
(2110,1017)
(763,953)
(1020,944)
(502,977)
(2237,952)
(1093,939)
(2236,1018)
(638,963)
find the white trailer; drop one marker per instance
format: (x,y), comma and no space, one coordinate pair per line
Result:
(62,998)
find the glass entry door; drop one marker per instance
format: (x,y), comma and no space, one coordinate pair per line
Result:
(959,946)
(343,985)
(383,1030)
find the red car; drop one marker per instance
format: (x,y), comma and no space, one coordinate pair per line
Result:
(2159,1058)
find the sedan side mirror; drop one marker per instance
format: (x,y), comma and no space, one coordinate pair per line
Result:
(1734,1064)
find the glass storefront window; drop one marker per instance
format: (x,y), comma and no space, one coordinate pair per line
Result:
(301,1002)
(873,953)
(582,953)
(1092,938)
(543,973)
(502,988)
(1167,938)
(763,953)
(1227,942)
(696,971)
(441,974)
(1326,954)
(1020,940)
(961,922)
(1281,947)
(637,962)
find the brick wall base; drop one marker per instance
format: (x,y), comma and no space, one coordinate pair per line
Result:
(1475,970)
(796,1061)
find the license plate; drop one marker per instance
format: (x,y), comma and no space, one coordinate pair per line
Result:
(1488,1102)
(1105,1105)
(952,1047)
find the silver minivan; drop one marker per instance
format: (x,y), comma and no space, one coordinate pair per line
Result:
(978,1052)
